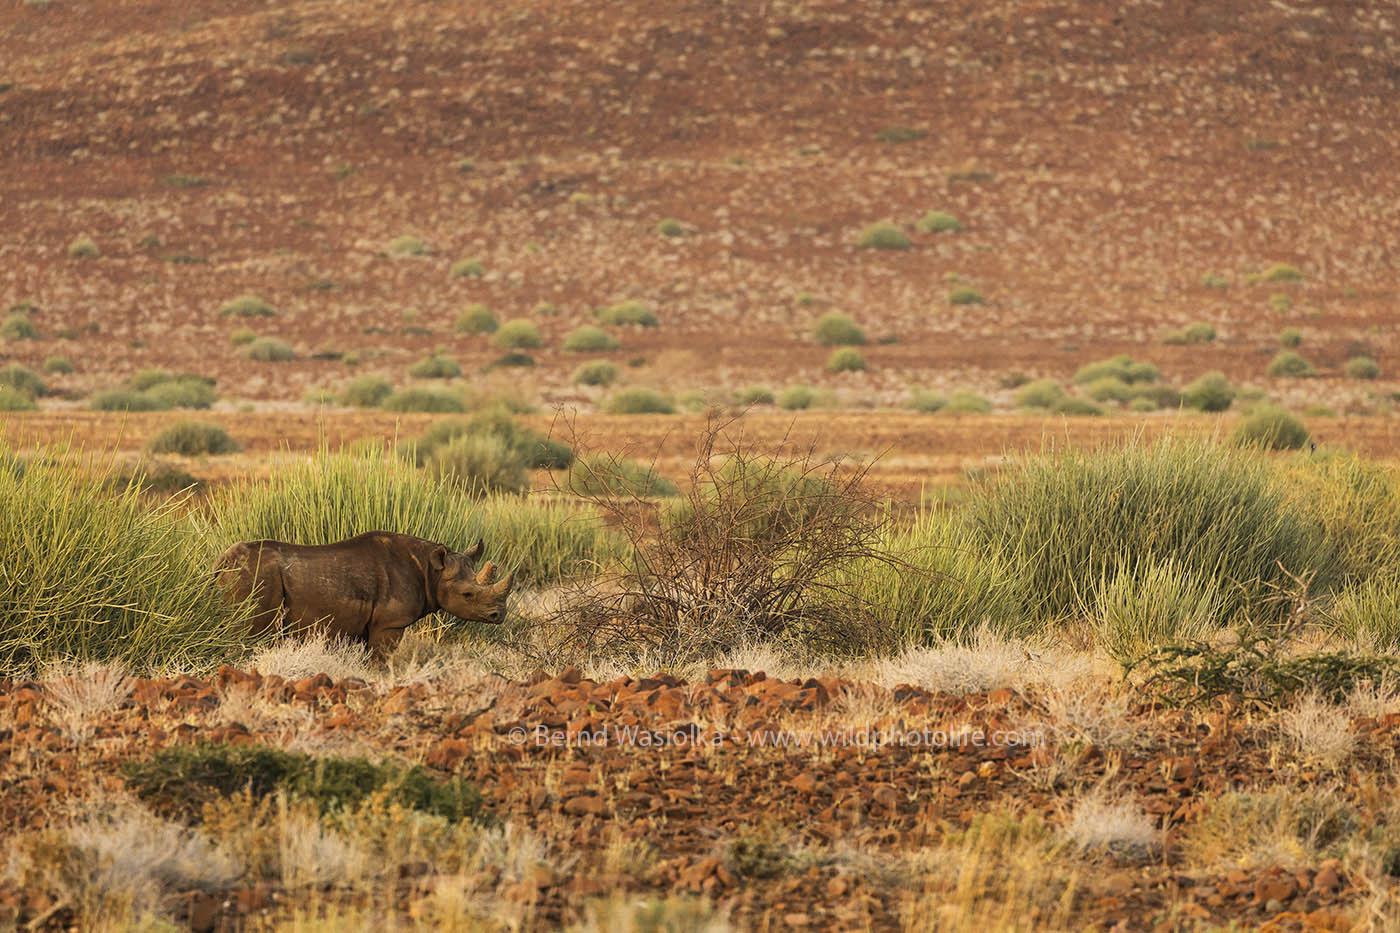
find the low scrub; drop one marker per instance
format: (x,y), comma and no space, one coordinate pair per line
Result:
(194,439)
(477,319)
(1043,393)
(596,373)
(631,313)
(435,367)
(1210,392)
(517,334)
(797,398)
(366,392)
(589,339)
(639,401)
(963,402)
(1362,367)
(926,401)
(754,395)
(158,390)
(845,360)
(269,350)
(939,222)
(1070,520)
(883,235)
(94,573)
(1290,365)
(481,464)
(533,449)
(17,326)
(837,330)
(22,380)
(1121,367)
(603,475)
(435,401)
(965,295)
(180,780)
(1271,428)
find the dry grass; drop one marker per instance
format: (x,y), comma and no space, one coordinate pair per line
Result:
(1100,823)
(1318,732)
(76,694)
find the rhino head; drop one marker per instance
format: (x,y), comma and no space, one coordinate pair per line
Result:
(470,595)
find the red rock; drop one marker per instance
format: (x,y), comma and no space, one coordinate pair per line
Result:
(447,754)
(570,675)
(1328,879)
(804,783)
(397,702)
(584,805)
(1275,886)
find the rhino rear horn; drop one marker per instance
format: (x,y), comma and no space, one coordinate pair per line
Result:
(476,550)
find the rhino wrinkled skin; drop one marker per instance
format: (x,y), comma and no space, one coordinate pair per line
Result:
(368,588)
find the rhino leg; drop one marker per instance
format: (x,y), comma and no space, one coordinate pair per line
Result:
(383,641)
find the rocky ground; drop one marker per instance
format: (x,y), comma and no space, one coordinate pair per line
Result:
(1058,800)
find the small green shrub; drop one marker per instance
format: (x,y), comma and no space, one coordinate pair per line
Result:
(123,400)
(837,330)
(1070,405)
(1155,395)
(436,401)
(477,319)
(247,306)
(670,227)
(467,269)
(1214,280)
(966,403)
(17,326)
(1122,367)
(604,475)
(22,380)
(938,222)
(589,339)
(1281,304)
(512,360)
(366,392)
(1043,393)
(754,395)
(596,373)
(181,779)
(883,235)
(84,247)
(638,401)
(965,295)
(1271,428)
(184,392)
(1289,365)
(1290,337)
(1362,367)
(1281,272)
(407,245)
(926,401)
(1140,609)
(269,350)
(11,399)
(632,313)
(1210,392)
(435,367)
(481,463)
(58,365)
(535,450)
(1199,332)
(797,398)
(845,360)
(242,337)
(517,334)
(193,439)
(1110,389)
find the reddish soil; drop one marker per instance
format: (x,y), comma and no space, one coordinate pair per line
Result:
(1103,157)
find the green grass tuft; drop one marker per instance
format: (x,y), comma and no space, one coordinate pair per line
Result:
(1290,365)
(884,236)
(633,313)
(639,401)
(518,334)
(477,319)
(845,360)
(596,373)
(589,339)
(837,330)
(435,367)
(269,350)
(938,222)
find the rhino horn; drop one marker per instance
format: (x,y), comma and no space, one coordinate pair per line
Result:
(476,550)
(486,573)
(503,587)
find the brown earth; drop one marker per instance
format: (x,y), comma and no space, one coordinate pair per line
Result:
(708,760)
(1103,157)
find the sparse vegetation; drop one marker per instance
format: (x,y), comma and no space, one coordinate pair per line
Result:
(939,222)
(158,390)
(11,399)
(1281,272)
(1290,337)
(84,247)
(596,373)
(477,319)
(407,245)
(638,401)
(194,439)
(1290,365)
(467,269)
(845,360)
(837,330)
(754,395)
(22,380)
(589,339)
(670,227)
(1043,393)
(1122,367)
(965,295)
(269,350)
(1197,333)
(628,313)
(58,365)
(1362,367)
(883,236)
(247,306)
(517,334)
(603,475)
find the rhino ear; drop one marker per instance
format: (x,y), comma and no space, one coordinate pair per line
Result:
(476,550)
(438,559)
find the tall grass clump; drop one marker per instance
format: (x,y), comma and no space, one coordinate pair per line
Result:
(1069,520)
(535,450)
(96,574)
(481,464)
(1143,608)
(1358,503)
(939,583)
(1367,613)
(336,495)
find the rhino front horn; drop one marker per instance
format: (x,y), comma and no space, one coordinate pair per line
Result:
(486,573)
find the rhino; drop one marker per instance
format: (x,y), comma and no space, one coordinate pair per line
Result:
(368,588)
